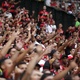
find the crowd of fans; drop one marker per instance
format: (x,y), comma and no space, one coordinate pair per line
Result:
(37,49)
(71,7)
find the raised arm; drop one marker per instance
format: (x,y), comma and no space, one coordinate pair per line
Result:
(8,44)
(38,55)
(19,58)
(29,34)
(76,50)
(47,50)
(63,73)
(68,42)
(14,57)
(3,37)
(51,37)
(32,63)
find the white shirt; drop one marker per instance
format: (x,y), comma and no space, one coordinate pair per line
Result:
(49,28)
(9,15)
(53,27)
(39,44)
(47,2)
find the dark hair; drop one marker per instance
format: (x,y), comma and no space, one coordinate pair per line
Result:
(20,63)
(46,65)
(45,75)
(64,56)
(37,65)
(2,60)
(51,53)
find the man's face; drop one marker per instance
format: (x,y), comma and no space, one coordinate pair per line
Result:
(57,55)
(23,67)
(72,51)
(8,63)
(13,51)
(56,62)
(33,20)
(38,38)
(44,7)
(60,25)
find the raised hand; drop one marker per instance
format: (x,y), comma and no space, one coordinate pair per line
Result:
(15,34)
(38,49)
(48,49)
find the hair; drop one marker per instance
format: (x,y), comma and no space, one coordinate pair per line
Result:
(20,63)
(45,75)
(64,56)
(2,60)
(51,53)
(37,65)
(46,65)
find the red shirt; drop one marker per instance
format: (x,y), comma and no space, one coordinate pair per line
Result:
(12,10)
(43,15)
(60,31)
(0,24)
(42,24)
(27,19)
(5,4)
(5,75)
(53,4)
(51,20)
(43,12)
